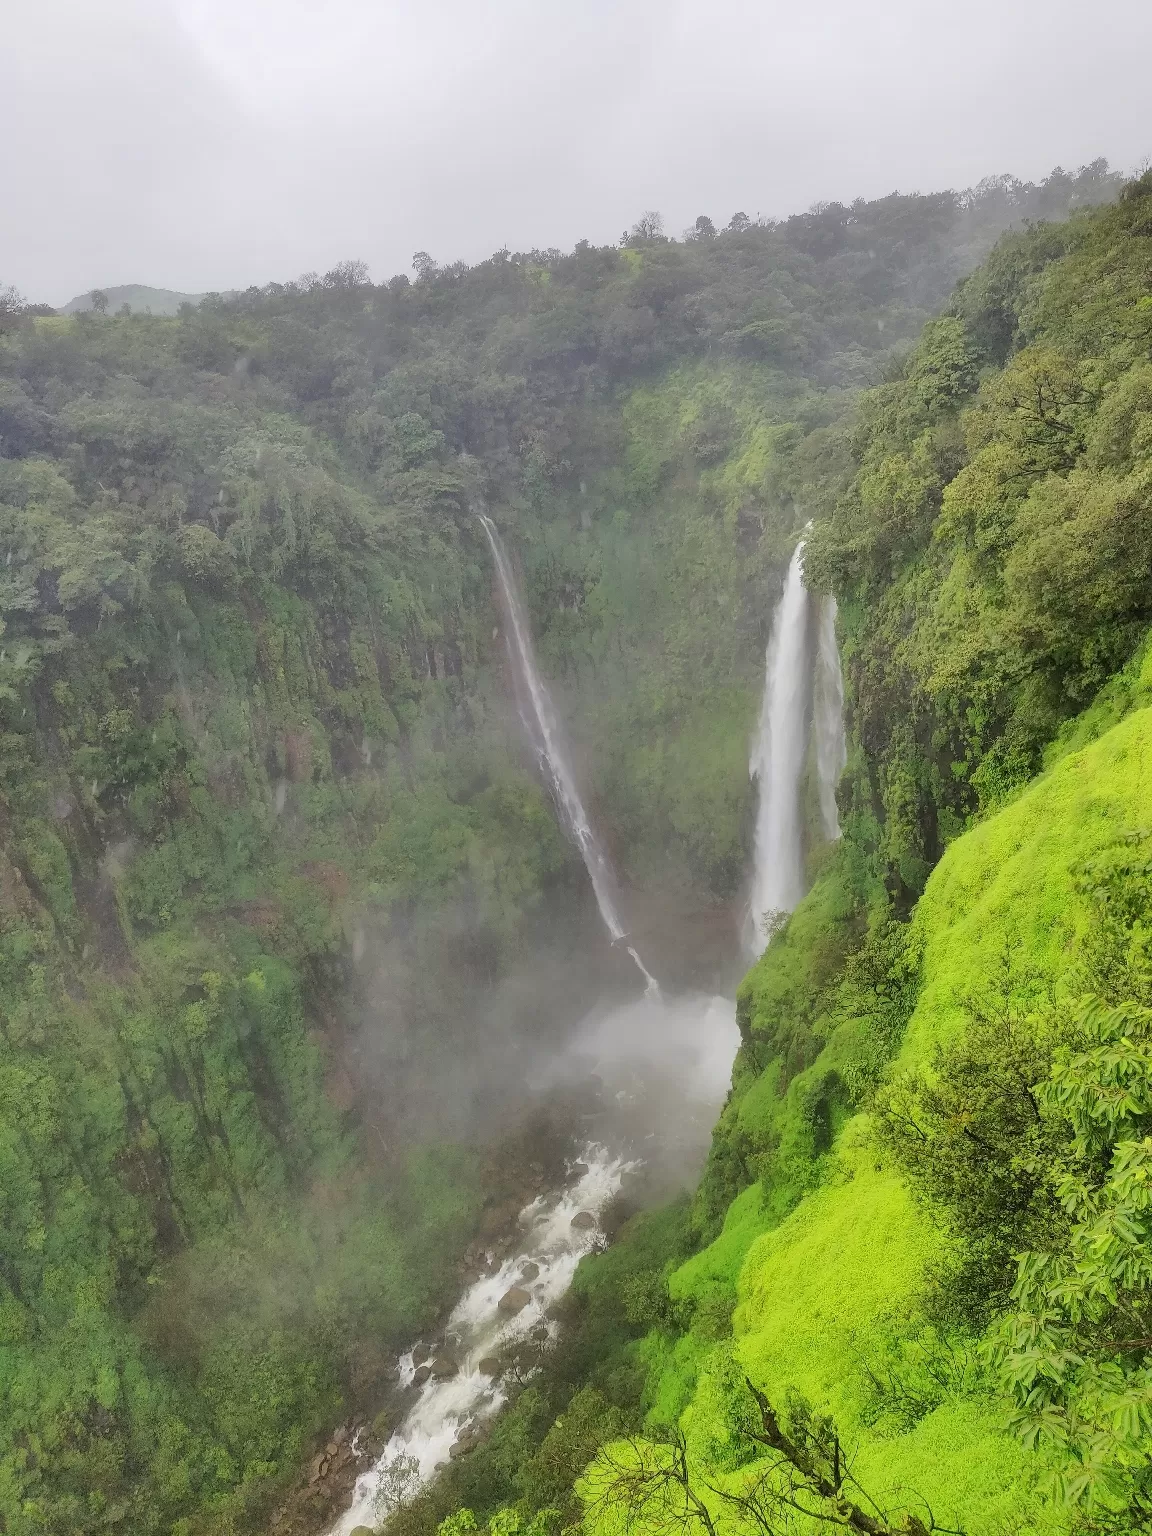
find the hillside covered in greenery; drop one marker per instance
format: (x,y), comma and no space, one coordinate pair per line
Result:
(281,896)
(912,1291)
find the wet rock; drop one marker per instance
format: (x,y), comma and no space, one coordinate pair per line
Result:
(444,1368)
(468,1438)
(421,1376)
(583,1221)
(529,1271)
(420,1353)
(362,1530)
(490,1366)
(577,1170)
(514,1300)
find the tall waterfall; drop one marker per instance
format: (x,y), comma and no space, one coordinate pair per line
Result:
(828,718)
(777,761)
(543,727)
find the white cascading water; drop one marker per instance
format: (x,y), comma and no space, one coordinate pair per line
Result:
(478,1329)
(542,725)
(828,719)
(777,761)
(665,1067)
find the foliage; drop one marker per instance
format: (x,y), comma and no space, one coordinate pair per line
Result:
(990,550)
(1075,1346)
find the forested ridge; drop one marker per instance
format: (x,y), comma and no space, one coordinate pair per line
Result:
(271,843)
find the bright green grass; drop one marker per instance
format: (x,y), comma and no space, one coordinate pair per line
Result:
(1009,884)
(830,1294)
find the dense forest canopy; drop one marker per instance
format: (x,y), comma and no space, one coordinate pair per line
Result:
(281,893)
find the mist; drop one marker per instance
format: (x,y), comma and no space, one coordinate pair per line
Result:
(199,145)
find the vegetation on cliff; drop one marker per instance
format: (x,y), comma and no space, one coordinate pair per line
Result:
(269,842)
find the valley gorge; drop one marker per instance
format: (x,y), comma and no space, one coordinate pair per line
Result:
(574,888)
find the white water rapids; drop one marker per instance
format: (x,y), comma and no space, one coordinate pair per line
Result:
(478,1329)
(665,1067)
(543,727)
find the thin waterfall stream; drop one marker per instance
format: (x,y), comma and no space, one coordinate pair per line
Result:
(828,719)
(542,724)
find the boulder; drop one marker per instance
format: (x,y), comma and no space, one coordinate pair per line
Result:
(577,1170)
(421,1376)
(529,1271)
(514,1300)
(583,1221)
(362,1530)
(444,1368)
(420,1353)
(490,1366)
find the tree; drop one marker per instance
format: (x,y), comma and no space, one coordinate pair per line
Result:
(648,229)
(801,1469)
(739,223)
(704,229)
(348,274)
(99,301)
(1076,1353)
(424,267)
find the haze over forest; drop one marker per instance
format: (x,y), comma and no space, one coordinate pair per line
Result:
(576,780)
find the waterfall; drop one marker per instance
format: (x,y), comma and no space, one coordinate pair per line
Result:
(828,718)
(541,723)
(777,760)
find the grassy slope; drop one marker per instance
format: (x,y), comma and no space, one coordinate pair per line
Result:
(830,1292)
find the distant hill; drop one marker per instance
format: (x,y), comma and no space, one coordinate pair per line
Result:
(158,301)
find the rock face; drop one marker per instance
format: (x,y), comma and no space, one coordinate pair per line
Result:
(514,1300)
(583,1221)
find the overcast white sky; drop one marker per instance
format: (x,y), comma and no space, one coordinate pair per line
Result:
(199,144)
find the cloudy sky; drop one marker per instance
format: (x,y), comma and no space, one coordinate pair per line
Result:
(198,144)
